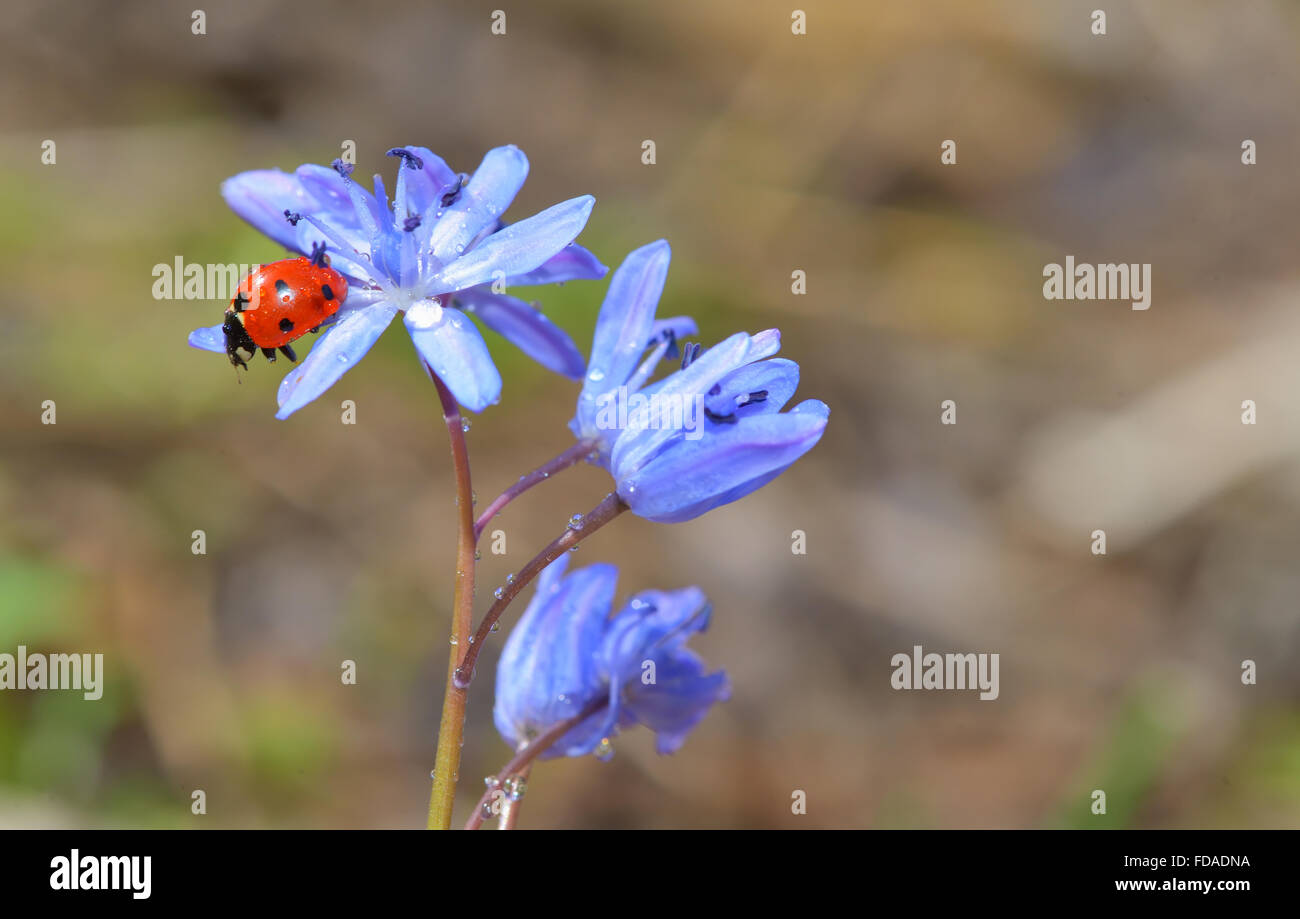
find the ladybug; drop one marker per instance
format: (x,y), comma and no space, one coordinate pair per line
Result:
(280,302)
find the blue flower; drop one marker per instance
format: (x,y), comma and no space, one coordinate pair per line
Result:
(434,256)
(704,435)
(567,653)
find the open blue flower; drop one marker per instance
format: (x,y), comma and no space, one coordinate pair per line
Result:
(704,435)
(567,652)
(434,256)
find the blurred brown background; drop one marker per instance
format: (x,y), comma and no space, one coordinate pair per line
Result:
(775,153)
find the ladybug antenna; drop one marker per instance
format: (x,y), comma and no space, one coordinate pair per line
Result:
(318,256)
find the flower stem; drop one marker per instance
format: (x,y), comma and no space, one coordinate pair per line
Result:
(510,806)
(451,730)
(526,755)
(579,451)
(601,514)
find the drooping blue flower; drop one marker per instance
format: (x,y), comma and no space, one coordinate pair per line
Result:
(704,435)
(567,652)
(434,255)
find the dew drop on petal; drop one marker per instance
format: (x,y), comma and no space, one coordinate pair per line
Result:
(478,555)
(490,781)
(604,750)
(494,627)
(499,593)
(575,522)
(510,578)
(464,425)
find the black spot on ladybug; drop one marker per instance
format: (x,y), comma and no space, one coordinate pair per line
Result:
(325,289)
(286,325)
(282,287)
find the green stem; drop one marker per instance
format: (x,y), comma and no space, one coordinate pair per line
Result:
(451,731)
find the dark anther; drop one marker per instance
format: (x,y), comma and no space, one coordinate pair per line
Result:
(318,256)
(408,158)
(410,223)
(281,287)
(759,395)
(286,325)
(720,419)
(342,168)
(292,217)
(671,337)
(450,197)
(690,353)
(327,291)
(716,389)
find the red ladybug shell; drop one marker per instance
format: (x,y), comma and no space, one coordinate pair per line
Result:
(284,300)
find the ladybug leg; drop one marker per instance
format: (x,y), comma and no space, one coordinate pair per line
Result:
(288,352)
(269,354)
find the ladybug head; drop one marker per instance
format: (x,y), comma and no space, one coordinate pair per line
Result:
(239,346)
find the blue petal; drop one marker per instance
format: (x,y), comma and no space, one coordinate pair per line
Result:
(778,377)
(623,328)
(263,195)
(548,669)
(518,248)
(689,477)
(453,348)
(421,188)
(681,326)
(663,619)
(210,338)
(527,328)
(654,625)
(677,700)
(329,192)
(635,446)
(339,349)
(481,202)
(573,263)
